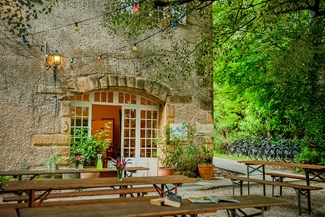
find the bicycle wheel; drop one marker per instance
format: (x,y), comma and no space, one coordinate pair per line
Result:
(293,155)
(286,155)
(270,154)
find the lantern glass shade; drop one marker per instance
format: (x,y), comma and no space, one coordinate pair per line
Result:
(54,59)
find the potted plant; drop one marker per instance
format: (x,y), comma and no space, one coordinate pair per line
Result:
(170,152)
(52,163)
(89,147)
(205,166)
(76,161)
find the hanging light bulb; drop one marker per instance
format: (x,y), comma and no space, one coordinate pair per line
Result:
(136,8)
(99,58)
(76,27)
(135,48)
(25,39)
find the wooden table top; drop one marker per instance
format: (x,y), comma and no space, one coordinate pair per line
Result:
(60,184)
(65,171)
(144,208)
(283,164)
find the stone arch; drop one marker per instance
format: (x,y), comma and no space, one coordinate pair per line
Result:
(94,82)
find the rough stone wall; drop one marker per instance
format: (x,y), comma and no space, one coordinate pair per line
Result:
(33,122)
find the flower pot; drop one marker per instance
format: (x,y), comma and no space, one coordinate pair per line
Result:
(166,171)
(206,171)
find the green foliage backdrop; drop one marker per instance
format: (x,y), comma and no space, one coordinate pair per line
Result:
(269,71)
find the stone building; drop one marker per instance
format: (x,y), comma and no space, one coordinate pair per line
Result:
(139,92)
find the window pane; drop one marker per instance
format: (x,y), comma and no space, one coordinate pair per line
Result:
(121,98)
(126,133)
(78,122)
(85,122)
(143,123)
(85,111)
(103,97)
(97,97)
(133,99)
(143,114)
(110,97)
(148,114)
(79,98)
(142,153)
(127,98)
(78,111)
(143,101)
(86,97)
(132,143)
(132,123)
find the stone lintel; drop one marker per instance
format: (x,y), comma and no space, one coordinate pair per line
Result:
(51,139)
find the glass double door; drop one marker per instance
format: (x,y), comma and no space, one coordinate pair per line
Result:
(139,133)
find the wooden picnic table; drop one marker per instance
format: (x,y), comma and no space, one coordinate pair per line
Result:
(310,169)
(317,171)
(144,208)
(20,173)
(159,182)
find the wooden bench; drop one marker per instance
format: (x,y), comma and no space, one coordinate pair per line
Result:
(300,189)
(141,207)
(281,176)
(8,212)
(139,191)
(10,206)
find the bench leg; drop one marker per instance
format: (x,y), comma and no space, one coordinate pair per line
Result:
(299,201)
(241,188)
(309,202)
(233,213)
(281,180)
(273,187)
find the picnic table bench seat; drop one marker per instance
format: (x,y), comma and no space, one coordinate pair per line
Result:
(8,212)
(300,189)
(284,175)
(139,191)
(8,206)
(140,206)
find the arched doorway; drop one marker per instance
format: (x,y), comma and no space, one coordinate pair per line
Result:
(134,119)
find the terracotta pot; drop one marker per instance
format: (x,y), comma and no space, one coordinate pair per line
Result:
(166,171)
(206,171)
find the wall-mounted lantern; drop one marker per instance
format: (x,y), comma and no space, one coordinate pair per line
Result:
(54,60)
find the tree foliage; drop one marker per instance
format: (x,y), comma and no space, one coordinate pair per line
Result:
(18,13)
(269,69)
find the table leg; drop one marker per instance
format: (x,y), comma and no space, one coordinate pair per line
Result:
(31,196)
(248,190)
(307,176)
(263,174)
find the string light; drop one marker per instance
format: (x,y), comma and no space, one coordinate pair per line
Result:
(135,48)
(25,39)
(136,8)
(76,27)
